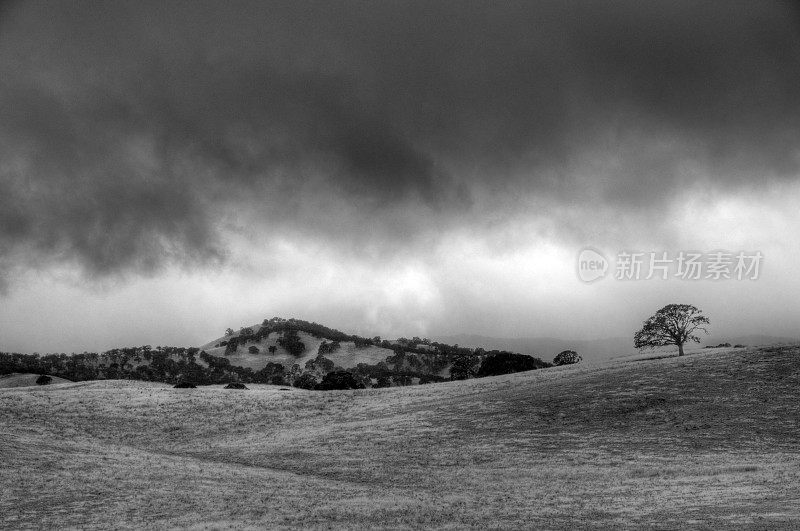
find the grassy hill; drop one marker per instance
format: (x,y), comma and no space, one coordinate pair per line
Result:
(313,350)
(709,440)
(346,357)
(24,380)
(281,352)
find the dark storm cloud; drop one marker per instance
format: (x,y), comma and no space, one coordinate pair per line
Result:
(131,132)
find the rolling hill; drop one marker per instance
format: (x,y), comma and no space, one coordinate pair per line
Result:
(23,380)
(591,349)
(346,356)
(311,350)
(709,440)
(282,352)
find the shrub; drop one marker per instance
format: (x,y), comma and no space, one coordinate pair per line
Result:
(185,385)
(272,349)
(326,348)
(463,367)
(721,345)
(269,373)
(321,364)
(402,379)
(306,381)
(567,357)
(362,342)
(291,342)
(232,346)
(339,380)
(253,350)
(43,380)
(506,363)
(236,385)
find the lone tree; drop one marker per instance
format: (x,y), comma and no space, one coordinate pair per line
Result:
(674,324)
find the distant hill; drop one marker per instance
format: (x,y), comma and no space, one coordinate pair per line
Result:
(314,350)
(283,352)
(347,356)
(305,354)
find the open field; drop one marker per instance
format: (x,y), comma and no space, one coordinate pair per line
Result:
(710,440)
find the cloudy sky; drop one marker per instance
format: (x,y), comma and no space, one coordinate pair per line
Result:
(405,168)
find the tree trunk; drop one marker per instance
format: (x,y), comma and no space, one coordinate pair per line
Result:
(680,349)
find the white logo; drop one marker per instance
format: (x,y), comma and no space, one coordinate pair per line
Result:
(592,265)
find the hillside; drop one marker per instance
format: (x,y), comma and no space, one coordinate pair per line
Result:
(346,357)
(302,353)
(282,352)
(23,380)
(594,349)
(710,440)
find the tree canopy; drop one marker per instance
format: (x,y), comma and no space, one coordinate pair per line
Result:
(674,324)
(567,357)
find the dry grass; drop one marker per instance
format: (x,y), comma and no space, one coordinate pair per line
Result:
(709,440)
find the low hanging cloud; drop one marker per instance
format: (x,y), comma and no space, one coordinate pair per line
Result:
(134,135)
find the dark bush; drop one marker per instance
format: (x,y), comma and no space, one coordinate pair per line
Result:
(271,373)
(506,363)
(43,380)
(232,346)
(567,357)
(185,385)
(291,342)
(339,380)
(253,350)
(306,381)
(383,381)
(327,348)
(463,367)
(236,385)
(721,345)
(320,363)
